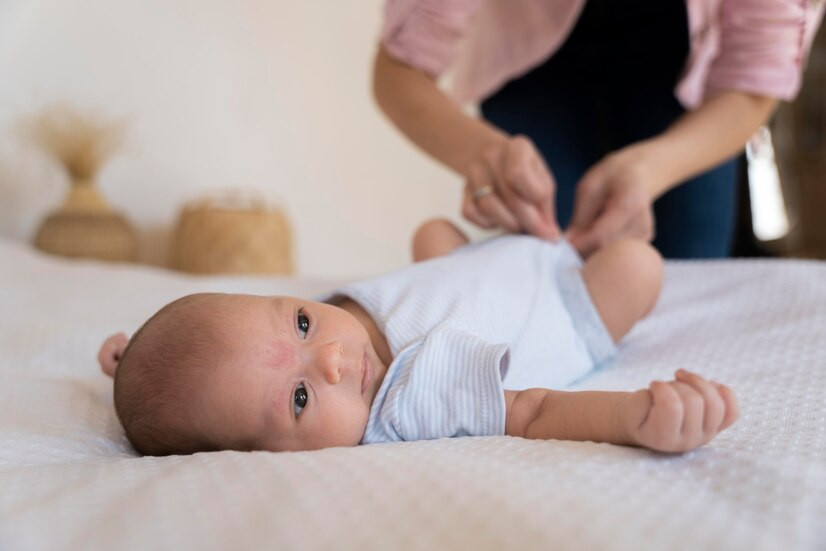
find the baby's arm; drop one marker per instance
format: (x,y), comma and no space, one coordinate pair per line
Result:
(674,416)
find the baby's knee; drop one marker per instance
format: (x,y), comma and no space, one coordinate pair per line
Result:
(629,269)
(436,237)
(639,266)
(641,259)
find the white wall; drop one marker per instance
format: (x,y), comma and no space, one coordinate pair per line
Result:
(265,94)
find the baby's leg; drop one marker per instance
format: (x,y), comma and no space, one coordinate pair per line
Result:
(624,280)
(436,237)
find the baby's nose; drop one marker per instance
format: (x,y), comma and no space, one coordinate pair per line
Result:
(329,360)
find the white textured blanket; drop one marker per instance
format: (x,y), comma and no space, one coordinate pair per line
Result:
(68,479)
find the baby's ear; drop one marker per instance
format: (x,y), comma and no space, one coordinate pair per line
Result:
(111,352)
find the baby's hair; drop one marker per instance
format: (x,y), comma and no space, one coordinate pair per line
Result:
(157,379)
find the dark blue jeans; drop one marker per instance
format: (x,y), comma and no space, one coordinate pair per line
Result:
(611,84)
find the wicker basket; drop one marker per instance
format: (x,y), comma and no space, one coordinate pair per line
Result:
(233,233)
(86,226)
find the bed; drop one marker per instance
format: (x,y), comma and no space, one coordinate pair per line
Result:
(70,480)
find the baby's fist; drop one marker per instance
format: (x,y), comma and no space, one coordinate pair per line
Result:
(679,415)
(111,352)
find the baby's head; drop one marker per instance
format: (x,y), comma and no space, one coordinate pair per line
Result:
(213,372)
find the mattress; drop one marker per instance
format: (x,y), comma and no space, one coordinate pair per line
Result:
(70,480)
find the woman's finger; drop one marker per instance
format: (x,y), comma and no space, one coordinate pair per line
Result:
(490,205)
(607,225)
(494,209)
(527,187)
(590,196)
(530,218)
(626,212)
(529,179)
(471,211)
(549,225)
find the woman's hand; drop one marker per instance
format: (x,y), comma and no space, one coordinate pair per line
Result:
(508,185)
(678,415)
(614,199)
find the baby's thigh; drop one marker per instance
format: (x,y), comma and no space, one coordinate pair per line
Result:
(624,280)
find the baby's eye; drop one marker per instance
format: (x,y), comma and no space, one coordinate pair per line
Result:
(299,399)
(303,323)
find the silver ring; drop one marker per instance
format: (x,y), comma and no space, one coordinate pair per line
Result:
(482,191)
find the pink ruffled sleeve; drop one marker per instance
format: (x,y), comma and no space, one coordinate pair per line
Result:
(425,34)
(764,45)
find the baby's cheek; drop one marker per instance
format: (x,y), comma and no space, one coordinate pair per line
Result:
(279,404)
(347,427)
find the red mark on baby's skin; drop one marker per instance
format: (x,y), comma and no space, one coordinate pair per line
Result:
(281,356)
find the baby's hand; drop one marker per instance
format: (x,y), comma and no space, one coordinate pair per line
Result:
(111,352)
(679,415)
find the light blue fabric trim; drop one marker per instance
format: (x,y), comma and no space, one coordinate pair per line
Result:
(586,319)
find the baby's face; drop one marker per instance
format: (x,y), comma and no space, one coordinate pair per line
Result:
(298,375)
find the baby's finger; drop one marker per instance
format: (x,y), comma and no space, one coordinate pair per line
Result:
(732,407)
(111,352)
(666,415)
(714,405)
(105,355)
(693,412)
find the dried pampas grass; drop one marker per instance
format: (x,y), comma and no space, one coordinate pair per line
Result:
(84,225)
(80,142)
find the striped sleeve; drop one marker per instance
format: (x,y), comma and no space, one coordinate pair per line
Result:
(453,388)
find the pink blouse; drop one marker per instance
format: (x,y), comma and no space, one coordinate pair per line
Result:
(756,46)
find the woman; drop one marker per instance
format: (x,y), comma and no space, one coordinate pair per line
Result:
(599,116)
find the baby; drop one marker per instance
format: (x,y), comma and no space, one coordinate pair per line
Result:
(470,341)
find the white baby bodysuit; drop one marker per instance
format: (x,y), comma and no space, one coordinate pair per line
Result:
(508,313)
